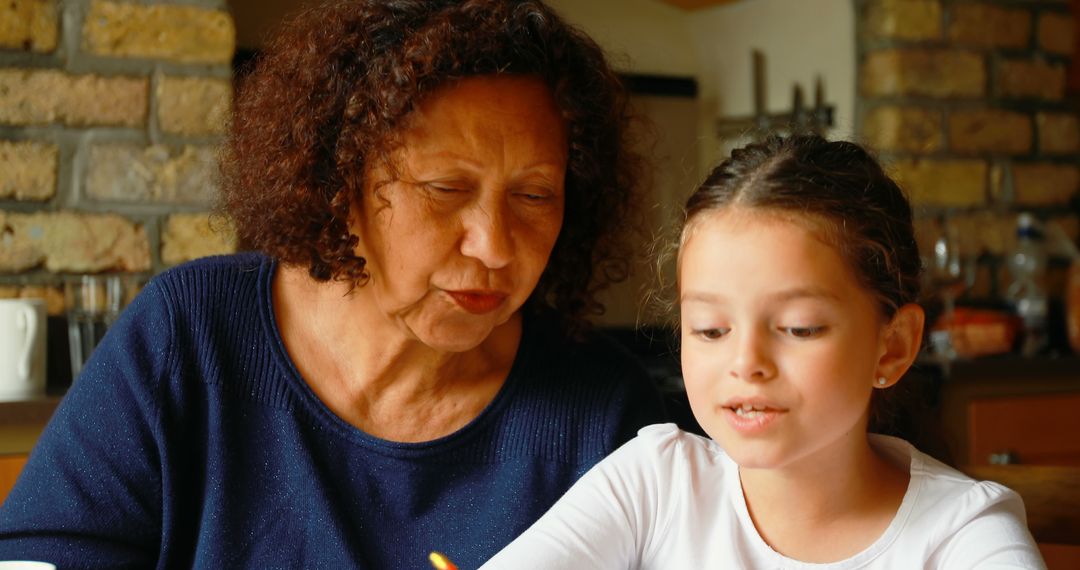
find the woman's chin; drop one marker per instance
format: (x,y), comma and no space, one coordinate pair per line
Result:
(453,343)
(457,335)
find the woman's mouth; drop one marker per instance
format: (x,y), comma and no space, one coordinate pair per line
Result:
(478,302)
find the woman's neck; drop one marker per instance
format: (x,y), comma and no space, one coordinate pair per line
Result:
(850,497)
(373,375)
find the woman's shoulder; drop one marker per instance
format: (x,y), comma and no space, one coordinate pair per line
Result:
(217,273)
(224,283)
(219,303)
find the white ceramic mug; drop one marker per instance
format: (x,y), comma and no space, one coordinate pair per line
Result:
(25,565)
(22,349)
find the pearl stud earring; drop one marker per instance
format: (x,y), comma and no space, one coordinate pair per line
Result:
(881,381)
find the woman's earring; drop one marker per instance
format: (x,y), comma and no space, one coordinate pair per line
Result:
(881,381)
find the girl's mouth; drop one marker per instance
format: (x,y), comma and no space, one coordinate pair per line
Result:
(751,419)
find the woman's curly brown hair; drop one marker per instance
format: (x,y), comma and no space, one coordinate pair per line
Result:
(328,93)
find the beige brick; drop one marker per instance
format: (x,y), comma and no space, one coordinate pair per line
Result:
(158,174)
(990,130)
(986,25)
(186,34)
(94,100)
(942,182)
(29,170)
(904,129)
(29,97)
(1057,33)
(191,236)
(72,242)
(1059,133)
(904,19)
(38,97)
(194,105)
(928,72)
(1044,184)
(30,25)
(1032,79)
(53,297)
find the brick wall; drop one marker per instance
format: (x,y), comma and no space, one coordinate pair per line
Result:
(966,102)
(110,112)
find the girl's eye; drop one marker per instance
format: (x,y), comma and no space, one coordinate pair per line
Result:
(711,334)
(803,332)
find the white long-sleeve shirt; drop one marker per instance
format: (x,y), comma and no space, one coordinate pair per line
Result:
(670,500)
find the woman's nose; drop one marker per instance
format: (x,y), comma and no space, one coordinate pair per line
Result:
(488,235)
(752,360)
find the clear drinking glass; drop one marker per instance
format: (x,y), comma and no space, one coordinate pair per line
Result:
(951,274)
(93,304)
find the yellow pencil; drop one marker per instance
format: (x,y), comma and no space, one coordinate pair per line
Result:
(441,562)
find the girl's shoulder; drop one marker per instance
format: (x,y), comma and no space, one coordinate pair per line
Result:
(669,438)
(938,483)
(666,447)
(943,504)
(949,520)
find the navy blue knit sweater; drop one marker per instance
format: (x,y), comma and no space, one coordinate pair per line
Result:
(191,440)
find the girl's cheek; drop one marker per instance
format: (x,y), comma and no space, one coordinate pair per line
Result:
(699,366)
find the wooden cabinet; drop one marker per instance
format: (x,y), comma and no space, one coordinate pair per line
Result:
(1017,411)
(10,466)
(1029,408)
(1031,430)
(21,424)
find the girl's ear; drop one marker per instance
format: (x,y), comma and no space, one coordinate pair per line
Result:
(903,338)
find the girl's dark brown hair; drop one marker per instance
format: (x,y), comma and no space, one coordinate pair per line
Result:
(328,94)
(840,189)
(836,186)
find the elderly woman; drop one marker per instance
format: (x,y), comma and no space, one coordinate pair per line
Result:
(434,190)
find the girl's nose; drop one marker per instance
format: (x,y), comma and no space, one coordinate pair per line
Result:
(752,360)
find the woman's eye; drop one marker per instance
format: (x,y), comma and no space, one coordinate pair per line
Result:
(711,334)
(443,188)
(803,332)
(534,194)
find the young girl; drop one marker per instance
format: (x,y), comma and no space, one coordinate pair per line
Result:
(797,277)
